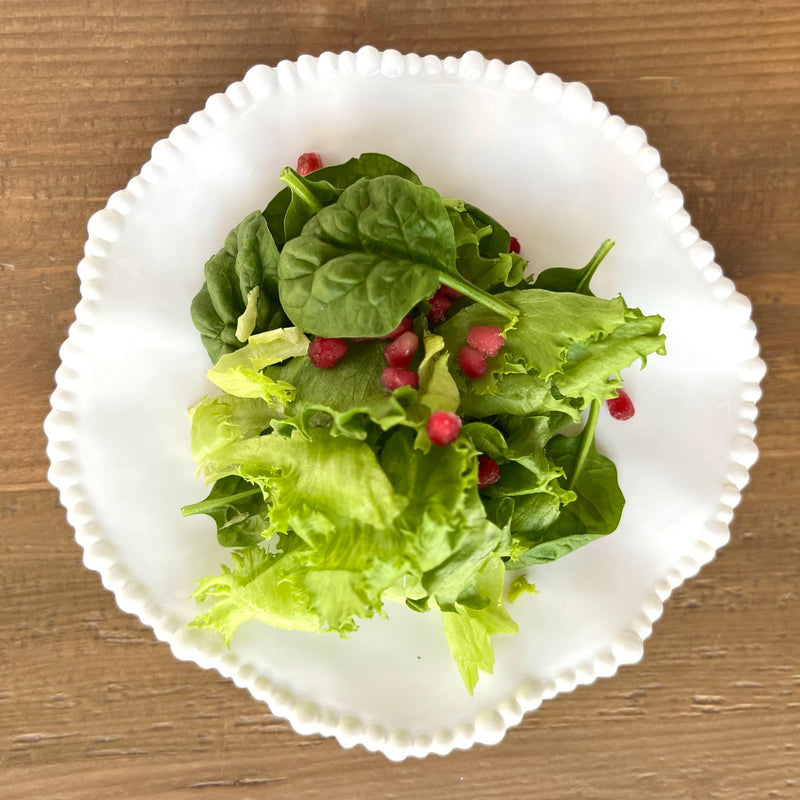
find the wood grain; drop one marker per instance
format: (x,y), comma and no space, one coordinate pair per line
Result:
(91,705)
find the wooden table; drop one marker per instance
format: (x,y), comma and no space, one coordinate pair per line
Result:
(92,706)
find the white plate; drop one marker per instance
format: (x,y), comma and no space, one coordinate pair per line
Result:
(561,174)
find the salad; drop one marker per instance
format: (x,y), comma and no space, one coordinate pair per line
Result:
(396,392)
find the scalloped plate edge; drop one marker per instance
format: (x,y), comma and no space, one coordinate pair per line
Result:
(104,229)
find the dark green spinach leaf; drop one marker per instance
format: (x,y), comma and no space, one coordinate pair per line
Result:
(248,260)
(286,213)
(363,262)
(568,279)
(595,512)
(239,510)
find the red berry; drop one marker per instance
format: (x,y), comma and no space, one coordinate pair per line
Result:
(308,162)
(621,406)
(395,377)
(513,245)
(400,352)
(487,339)
(472,362)
(443,427)
(439,307)
(488,472)
(452,294)
(324,353)
(406,324)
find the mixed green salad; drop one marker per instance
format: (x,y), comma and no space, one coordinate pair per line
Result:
(394,393)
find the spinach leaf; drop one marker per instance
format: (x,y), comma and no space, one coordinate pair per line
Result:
(239,510)
(248,260)
(595,512)
(567,279)
(286,213)
(363,262)
(497,241)
(480,258)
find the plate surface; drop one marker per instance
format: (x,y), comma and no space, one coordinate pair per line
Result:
(562,174)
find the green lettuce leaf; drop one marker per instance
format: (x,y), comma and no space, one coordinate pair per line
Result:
(565,351)
(259,585)
(330,500)
(239,373)
(220,421)
(449,536)
(468,629)
(437,389)
(344,397)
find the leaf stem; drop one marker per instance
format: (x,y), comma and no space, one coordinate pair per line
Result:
(478,295)
(209,504)
(591,267)
(299,188)
(587,439)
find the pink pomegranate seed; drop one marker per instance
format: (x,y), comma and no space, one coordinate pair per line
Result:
(406,324)
(400,352)
(513,245)
(488,472)
(324,353)
(308,162)
(621,406)
(443,427)
(487,339)
(395,377)
(439,307)
(452,294)
(472,362)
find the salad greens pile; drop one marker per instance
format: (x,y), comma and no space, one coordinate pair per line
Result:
(325,483)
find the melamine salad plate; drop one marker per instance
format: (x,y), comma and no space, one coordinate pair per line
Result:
(562,174)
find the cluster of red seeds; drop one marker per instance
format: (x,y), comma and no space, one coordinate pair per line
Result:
(483,341)
(399,354)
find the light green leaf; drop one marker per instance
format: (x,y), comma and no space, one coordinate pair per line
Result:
(437,389)
(246,323)
(239,373)
(220,421)
(467,629)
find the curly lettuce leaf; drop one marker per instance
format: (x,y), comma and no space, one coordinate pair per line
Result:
(437,389)
(329,498)
(344,397)
(312,482)
(468,629)
(239,373)
(449,536)
(223,420)
(565,351)
(258,585)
